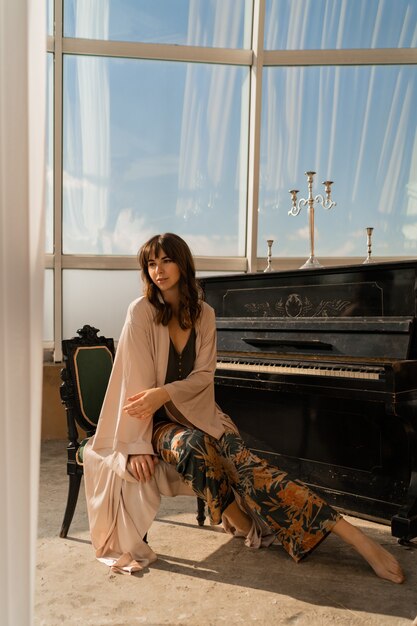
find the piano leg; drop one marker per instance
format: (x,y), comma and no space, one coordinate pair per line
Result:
(404,523)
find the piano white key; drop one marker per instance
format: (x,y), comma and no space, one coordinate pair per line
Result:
(314,370)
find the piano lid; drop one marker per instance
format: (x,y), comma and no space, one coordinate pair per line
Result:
(357,311)
(371,290)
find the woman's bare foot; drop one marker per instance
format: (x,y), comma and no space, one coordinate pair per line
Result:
(237,518)
(384,564)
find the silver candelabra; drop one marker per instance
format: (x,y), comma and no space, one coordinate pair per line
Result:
(369,230)
(327,203)
(269,267)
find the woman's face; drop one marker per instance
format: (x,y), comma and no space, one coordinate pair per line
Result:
(163,271)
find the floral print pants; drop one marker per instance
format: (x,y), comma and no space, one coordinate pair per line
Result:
(220,470)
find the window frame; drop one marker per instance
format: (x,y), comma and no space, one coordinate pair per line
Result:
(255,59)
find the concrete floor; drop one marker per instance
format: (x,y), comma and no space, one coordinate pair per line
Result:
(203,577)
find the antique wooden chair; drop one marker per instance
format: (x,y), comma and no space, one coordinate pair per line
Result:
(88,361)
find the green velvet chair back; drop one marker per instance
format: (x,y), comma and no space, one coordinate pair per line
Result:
(88,363)
(92,367)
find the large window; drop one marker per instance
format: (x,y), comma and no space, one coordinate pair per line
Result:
(355,125)
(154,146)
(198,116)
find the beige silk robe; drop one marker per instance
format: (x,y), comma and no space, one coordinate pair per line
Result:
(120,508)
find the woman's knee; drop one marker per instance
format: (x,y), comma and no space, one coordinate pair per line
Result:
(202,441)
(198,453)
(232,445)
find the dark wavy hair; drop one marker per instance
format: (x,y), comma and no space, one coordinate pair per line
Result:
(190,293)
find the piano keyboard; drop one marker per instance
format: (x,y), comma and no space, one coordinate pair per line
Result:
(305,369)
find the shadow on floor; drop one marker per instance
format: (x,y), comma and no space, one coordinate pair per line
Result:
(203,561)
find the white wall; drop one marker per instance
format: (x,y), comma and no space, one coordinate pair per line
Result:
(22,100)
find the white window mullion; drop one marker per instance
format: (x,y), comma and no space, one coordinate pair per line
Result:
(154,51)
(255,132)
(58,181)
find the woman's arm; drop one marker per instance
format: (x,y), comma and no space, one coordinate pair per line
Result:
(137,374)
(145,403)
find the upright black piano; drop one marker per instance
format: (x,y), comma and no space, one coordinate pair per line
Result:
(318,368)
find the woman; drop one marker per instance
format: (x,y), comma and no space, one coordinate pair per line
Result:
(161,432)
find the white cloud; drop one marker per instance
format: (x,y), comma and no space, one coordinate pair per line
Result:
(218,245)
(410,231)
(301,233)
(74,182)
(130,232)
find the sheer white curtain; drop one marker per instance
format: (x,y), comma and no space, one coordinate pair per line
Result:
(87,167)
(22,112)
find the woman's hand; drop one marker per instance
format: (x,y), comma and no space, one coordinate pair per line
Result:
(144,404)
(142,466)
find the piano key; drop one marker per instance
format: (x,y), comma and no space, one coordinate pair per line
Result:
(364,373)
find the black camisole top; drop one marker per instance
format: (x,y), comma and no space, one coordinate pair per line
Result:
(180,365)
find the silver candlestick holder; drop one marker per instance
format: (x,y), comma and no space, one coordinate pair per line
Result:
(327,203)
(369,230)
(269,267)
